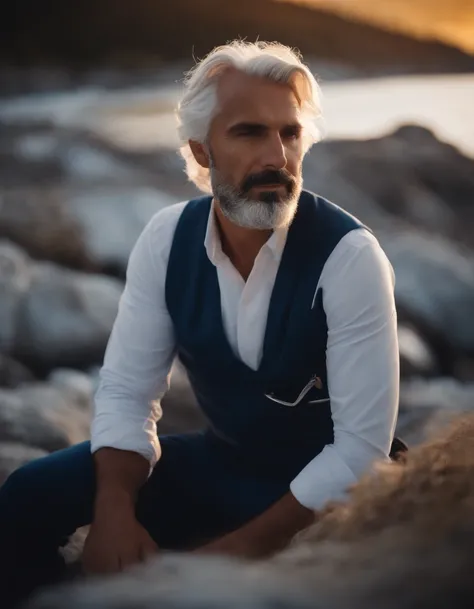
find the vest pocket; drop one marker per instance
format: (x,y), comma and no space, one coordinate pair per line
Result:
(314,386)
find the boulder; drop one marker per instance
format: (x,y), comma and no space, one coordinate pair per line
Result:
(78,384)
(434,286)
(185,582)
(409,173)
(74,198)
(65,318)
(12,373)
(52,317)
(428,405)
(112,219)
(15,282)
(416,356)
(43,416)
(35,218)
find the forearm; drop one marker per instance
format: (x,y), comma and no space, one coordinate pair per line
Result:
(135,372)
(267,533)
(119,474)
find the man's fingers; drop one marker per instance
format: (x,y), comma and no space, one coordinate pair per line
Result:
(101,567)
(112,566)
(96,562)
(128,560)
(148,548)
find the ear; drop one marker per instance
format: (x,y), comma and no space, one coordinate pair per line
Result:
(200,153)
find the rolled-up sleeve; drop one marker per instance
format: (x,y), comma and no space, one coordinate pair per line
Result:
(141,348)
(362,366)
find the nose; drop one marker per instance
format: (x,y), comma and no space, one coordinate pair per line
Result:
(275,154)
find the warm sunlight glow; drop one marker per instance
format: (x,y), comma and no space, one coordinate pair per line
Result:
(451,21)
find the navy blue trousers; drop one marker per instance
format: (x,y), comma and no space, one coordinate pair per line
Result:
(199,490)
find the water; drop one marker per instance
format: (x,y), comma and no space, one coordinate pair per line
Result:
(143,117)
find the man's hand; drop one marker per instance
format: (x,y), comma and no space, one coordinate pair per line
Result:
(116,540)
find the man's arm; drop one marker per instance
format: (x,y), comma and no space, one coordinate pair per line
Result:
(363,383)
(266,534)
(140,351)
(134,376)
(363,368)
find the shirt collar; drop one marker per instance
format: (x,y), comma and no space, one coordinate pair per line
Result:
(212,241)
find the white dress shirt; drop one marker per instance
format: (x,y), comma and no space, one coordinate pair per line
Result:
(362,349)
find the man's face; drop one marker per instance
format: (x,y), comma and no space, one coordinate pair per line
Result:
(256,148)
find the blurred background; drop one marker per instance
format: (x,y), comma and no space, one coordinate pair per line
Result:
(88,153)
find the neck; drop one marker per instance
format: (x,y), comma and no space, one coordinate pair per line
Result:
(240,244)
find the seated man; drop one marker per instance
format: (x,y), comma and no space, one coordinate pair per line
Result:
(281,307)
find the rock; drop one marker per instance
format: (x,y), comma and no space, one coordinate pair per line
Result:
(78,384)
(416,356)
(409,174)
(14,455)
(85,159)
(124,211)
(65,318)
(36,219)
(185,582)
(12,373)
(63,185)
(39,150)
(427,405)
(52,317)
(446,393)
(42,416)
(435,285)
(15,281)
(463,369)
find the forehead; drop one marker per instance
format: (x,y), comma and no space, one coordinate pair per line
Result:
(242,97)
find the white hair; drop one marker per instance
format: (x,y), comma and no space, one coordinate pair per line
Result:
(274,61)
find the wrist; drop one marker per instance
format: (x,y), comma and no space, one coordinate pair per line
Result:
(234,544)
(116,499)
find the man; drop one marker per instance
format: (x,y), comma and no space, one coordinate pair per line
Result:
(281,307)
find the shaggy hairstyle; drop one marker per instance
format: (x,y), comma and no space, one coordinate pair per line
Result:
(273,61)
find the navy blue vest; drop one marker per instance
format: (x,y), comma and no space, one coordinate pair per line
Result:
(237,400)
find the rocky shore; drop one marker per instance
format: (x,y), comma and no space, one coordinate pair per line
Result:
(73,203)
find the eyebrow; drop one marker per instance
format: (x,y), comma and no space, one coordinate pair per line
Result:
(247,127)
(258,127)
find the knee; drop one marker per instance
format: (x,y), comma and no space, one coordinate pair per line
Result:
(18,490)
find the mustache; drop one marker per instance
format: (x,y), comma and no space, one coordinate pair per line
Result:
(269,176)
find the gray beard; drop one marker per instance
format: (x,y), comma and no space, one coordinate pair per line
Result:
(251,213)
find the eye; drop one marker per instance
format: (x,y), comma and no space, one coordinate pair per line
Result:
(253,131)
(292,132)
